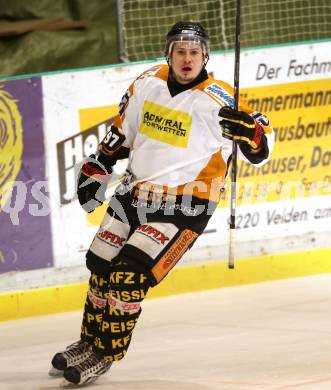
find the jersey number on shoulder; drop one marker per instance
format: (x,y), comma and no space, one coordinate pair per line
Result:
(113,138)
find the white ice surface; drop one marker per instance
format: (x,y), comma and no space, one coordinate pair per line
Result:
(273,335)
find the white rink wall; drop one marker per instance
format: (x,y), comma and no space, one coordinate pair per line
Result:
(284,207)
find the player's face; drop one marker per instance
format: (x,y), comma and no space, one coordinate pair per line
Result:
(186,61)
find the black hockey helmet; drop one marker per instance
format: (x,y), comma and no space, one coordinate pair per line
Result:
(187,31)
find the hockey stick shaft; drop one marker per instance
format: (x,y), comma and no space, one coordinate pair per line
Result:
(233,199)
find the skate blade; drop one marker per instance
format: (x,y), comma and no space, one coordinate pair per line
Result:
(69,385)
(55,372)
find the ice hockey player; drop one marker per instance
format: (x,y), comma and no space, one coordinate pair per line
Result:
(176,126)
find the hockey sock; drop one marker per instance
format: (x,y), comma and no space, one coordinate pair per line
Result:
(94,306)
(127,289)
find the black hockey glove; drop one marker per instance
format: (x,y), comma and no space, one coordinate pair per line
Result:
(92,184)
(240,127)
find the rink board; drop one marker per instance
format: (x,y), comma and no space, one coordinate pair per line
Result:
(283,206)
(70,297)
(48,229)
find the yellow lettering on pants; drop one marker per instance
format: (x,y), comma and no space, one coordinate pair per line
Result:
(118,327)
(115,312)
(85,331)
(91,317)
(120,343)
(98,281)
(128,296)
(126,277)
(98,343)
(142,278)
(104,326)
(118,356)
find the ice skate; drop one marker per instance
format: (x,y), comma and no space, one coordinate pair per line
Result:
(72,355)
(87,371)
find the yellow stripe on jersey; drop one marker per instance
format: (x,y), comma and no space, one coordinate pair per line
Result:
(166,125)
(249,126)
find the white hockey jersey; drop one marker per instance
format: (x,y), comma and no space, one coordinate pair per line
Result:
(176,142)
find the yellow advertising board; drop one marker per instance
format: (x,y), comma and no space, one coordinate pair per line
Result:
(300,165)
(279,204)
